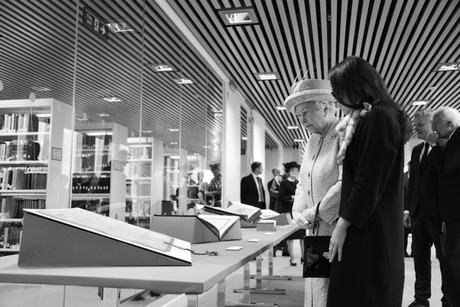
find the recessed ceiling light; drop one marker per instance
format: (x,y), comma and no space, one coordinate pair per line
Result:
(144,131)
(419,102)
(99,133)
(280,108)
(207,146)
(267,76)
(293,127)
(40,89)
(299,140)
(453,66)
(175,157)
(43,115)
(244,138)
(183,81)
(162,67)
(112,99)
(102,114)
(238,16)
(173,143)
(173,129)
(120,27)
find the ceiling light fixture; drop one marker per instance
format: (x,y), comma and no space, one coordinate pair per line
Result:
(267,76)
(162,67)
(453,66)
(173,129)
(43,115)
(293,127)
(117,27)
(99,133)
(40,89)
(173,143)
(280,108)
(244,138)
(239,16)
(419,102)
(144,131)
(183,81)
(112,99)
(102,114)
(299,140)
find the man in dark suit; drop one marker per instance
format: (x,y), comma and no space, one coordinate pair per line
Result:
(446,158)
(274,192)
(252,188)
(422,211)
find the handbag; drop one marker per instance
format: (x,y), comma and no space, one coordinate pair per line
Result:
(316,254)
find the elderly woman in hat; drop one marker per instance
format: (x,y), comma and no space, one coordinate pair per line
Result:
(320,174)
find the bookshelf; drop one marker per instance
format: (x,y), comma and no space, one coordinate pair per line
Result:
(139,173)
(98,168)
(34,162)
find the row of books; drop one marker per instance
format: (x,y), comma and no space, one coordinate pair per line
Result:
(10,234)
(141,170)
(19,150)
(93,162)
(13,208)
(18,122)
(82,184)
(99,206)
(144,152)
(16,178)
(96,141)
(138,188)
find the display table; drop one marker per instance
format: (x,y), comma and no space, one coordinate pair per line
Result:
(205,272)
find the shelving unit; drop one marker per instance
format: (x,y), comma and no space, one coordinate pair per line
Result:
(34,162)
(139,181)
(98,168)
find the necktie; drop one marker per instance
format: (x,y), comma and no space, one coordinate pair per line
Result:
(261,191)
(425,153)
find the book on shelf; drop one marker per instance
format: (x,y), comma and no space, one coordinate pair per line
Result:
(18,122)
(198,228)
(76,237)
(247,212)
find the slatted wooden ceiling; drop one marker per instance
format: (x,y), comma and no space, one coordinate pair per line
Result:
(404,40)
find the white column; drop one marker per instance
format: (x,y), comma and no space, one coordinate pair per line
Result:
(157,177)
(231,145)
(257,136)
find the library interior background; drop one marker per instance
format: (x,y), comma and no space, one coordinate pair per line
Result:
(123,108)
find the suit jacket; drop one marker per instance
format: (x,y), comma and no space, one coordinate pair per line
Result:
(249,194)
(423,186)
(447,162)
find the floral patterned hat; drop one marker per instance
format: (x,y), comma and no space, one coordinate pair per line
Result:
(307,90)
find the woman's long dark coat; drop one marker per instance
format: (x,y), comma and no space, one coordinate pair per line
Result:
(371,273)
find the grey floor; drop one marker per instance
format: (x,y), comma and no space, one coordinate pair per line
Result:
(50,296)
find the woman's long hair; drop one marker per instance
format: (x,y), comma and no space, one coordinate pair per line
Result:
(357,80)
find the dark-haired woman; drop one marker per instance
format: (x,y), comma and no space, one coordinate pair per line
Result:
(366,247)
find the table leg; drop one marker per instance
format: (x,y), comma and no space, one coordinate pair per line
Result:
(270,275)
(192,300)
(110,297)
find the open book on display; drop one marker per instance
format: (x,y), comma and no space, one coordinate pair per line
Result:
(84,238)
(198,228)
(246,212)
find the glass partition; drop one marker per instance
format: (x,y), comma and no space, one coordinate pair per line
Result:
(106,173)
(130,136)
